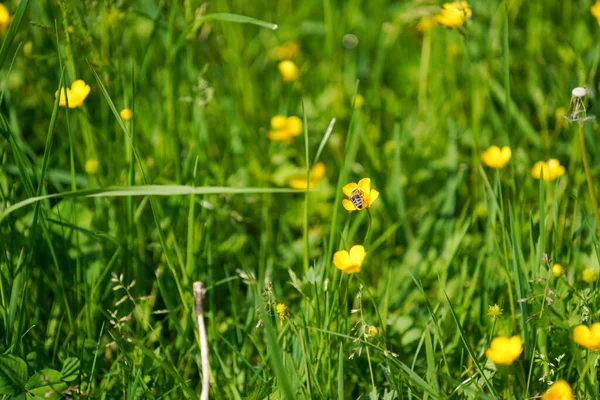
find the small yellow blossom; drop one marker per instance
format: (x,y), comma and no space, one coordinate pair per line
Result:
(454,14)
(317,173)
(91,166)
(283,312)
(289,71)
(286,51)
(504,350)
(351,261)
(126,114)
(589,275)
(358,101)
(5,17)
(595,9)
(373,331)
(557,270)
(285,128)
(426,24)
(360,196)
(552,169)
(494,157)
(494,312)
(587,337)
(76,94)
(560,390)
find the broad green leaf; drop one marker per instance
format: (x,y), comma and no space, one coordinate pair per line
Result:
(13,374)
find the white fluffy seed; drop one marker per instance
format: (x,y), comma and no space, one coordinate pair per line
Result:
(579,92)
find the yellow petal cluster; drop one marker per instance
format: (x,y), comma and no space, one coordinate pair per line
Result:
(76,94)
(557,270)
(560,390)
(552,169)
(426,24)
(454,14)
(284,128)
(595,9)
(91,166)
(367,194)
(587,337)
(351,261)
(505,350)
(286,51)
(126,114)
(283,312)
(317,173)
(495,157)
(289,71)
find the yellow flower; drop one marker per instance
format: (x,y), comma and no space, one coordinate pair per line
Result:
(373,331)
(317,173)
(552,169)
(504,350)
(454,14)
(286,51)
(358,101)
(350,262)
(595,9)
(494,157)
(560,390)
(494,312)
(557,270)
(589,275)
(586,337)
(283,312)
(289,71)
(91,166)
(426,24)
(360,196)
(285,128)
(76,94)
(5,17)
(126,114)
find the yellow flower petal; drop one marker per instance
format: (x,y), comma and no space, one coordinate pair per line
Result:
(294,125)
(348,205)
(347,189)
(126,114)
(278,122)
(318,171)
(341,259)
(560,390)
(365,185)
(358,254)
(373,196)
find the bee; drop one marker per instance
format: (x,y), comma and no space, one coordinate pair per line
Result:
(358,198)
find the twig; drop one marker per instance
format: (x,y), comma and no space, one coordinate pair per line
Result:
(199,294)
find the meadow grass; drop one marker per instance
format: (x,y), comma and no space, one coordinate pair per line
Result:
(107,218)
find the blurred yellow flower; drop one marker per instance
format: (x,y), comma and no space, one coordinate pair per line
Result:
(454,14)
(504,350)
(494,157)
(360,196)
(373,331)
(289,71)
(76,94)
(560,390)
(557,270)
(350,262)
(286,51)
(559,115)
(552,169)
(285,128)
(91,166)
(126,114)
(283,312)
(589,275)
(586,337)
(426,24)
(595,9)
(5,17)
(358,101)
(317,173)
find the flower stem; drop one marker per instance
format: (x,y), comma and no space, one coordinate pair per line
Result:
(588,176)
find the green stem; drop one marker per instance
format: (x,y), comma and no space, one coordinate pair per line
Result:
(588,176)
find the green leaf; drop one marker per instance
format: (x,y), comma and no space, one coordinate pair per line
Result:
(12,31)
(13,374)
(240,19)
(47,384)
(70,369)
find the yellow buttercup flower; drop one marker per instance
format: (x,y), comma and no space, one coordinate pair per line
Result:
(283,312)
(351,261)
(289,71)
(76,94)
(595,9)
(560,390)
(494,312)
(494,157)
(373,331)
(589,275)
(126,114)
(454,14)
(5,17)
(587,337)
(504,350)
(360,195)
(552,169)
(317,173)
(557,270)
(91,166)
(285,128)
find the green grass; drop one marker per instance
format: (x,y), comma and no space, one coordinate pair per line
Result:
(97,268)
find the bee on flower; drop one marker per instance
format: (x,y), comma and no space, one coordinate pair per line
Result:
(76,94)
(494,157)
(350,262)
(360,195)
(551,169)
(504,350)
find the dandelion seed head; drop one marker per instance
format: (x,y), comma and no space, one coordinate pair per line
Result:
(579,92)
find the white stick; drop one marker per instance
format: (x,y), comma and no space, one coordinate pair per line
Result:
(199,294)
